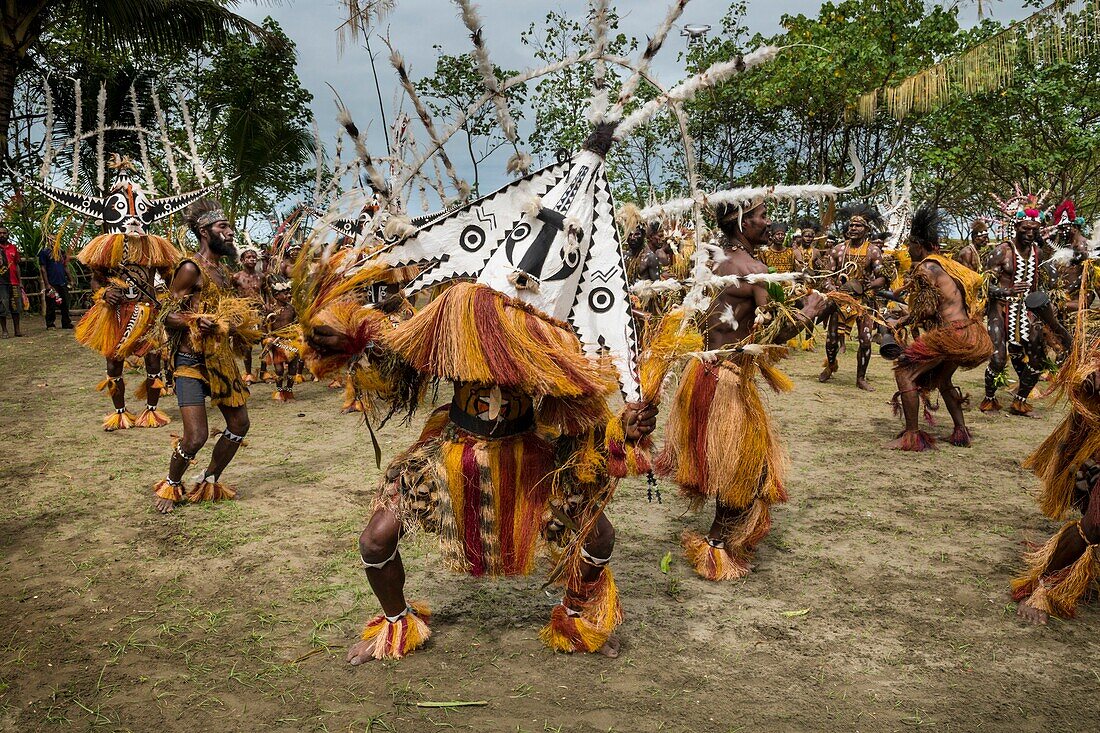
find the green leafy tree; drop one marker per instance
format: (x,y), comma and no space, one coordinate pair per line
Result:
(256,122)
(453,88)
(137,26)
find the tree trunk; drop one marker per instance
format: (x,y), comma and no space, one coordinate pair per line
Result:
(9,68)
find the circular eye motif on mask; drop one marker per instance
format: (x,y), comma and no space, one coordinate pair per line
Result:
(115,210)
(600,300)
(472,238)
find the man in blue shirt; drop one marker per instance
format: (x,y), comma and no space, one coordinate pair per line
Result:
(55,286)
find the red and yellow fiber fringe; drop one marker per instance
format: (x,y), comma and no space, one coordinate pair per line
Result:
(599,615)
(472,333)
(166,490)
(713,563)
(1057,593)
(1057,459)
(210,491)
(152,418)
(963,343)
(916,441)
(720,439)
(496,492)
(395,639)
(116,333)
(672,337)
(118,421)
(108,251)
(142,391)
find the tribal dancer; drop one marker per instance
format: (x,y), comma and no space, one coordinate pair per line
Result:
(1070,260)
(283,344)
(813,243)
(521,458)
(944,302)
(777,255)
(721,442)
(248,284)
(125,261)
(203,323)
(1015,328)
(1063,570)
(971,253)
(859,264)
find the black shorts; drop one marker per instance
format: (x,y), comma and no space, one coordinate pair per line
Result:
(11,300)
(190,391)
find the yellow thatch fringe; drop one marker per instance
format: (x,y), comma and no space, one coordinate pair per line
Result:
(152,419)
(210,491)
(166,490)
(1056,460)
(712,563)
(589,630)
(472,333)
(720,439)
(395,639)
(108,251)
(1059,592)
(118,421)
(142,391)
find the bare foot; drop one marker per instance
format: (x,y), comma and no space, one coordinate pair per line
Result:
(826,374)
(864,385)
(360,653)
(610,648)
(1031,614)
(163,505)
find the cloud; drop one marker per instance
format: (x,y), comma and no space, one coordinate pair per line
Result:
(415,26)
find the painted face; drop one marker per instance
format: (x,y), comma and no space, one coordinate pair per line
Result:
(127,210)
(980,239)
(808,236)
(1027,230)
(249,259)
(778,236)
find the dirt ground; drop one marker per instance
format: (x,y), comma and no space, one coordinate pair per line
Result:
(879,603)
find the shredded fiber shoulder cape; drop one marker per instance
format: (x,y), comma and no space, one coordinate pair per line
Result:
(473,333)
(108,251)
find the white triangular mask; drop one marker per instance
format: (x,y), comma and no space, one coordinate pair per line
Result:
(563,259)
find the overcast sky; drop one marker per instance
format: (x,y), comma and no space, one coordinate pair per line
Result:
(415,25)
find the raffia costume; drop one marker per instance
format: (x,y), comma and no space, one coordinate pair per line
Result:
(721,442)
(1067,465)
(212,362)
(964,344)
(523,457)
(128,255)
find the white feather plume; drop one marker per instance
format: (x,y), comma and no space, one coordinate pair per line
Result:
(686,90)
(747,194)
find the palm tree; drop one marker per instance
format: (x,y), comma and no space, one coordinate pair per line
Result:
(148,25)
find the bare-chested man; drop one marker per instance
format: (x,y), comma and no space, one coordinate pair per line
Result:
(1015,328)
(971,252)
(1068,235)
(721,442)
(205,364)
(944,297)
(248,283)
(859,264)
